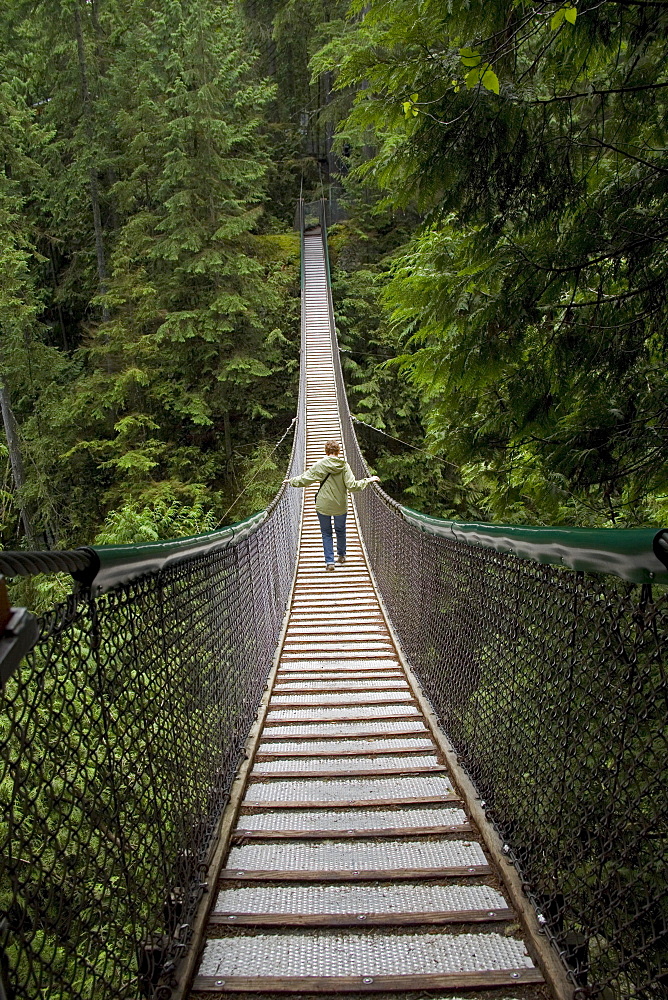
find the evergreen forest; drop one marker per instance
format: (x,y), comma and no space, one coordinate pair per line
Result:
(498,184)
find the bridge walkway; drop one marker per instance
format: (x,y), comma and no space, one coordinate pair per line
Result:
(353,865)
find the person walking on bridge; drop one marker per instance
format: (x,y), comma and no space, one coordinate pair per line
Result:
(336,482)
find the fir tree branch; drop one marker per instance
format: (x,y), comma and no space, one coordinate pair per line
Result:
(596,93)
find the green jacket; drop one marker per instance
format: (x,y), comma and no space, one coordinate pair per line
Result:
(333,494)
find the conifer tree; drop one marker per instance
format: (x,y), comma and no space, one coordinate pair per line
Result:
(161,336)
(188,297)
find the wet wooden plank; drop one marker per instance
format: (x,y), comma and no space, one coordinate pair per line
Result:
(351,803)
(343,984)
(366,773)
(389,831)
(360,919)
(348,875)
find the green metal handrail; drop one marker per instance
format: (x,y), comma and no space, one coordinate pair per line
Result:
(639,555)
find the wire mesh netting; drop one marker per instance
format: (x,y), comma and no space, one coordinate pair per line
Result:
(120,737)
(553,687)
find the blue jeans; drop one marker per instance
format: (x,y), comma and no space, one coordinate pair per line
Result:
(327,540)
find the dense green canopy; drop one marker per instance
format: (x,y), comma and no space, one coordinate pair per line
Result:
(532,298)
(148,303)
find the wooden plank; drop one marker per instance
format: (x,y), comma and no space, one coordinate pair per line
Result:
(389,831)
(345,581)
(317,645)
(387,656)
(341,635)
(308,804)
(328,583)
(343,573)
(364,773)
(343,984)
(360,919)
(345,875)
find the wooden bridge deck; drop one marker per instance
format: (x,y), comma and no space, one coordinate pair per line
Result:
(353,866)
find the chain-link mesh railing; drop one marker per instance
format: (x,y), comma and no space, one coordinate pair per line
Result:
(120,736)
(553,687)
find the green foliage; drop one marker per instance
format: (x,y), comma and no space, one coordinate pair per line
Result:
(150,312)
(408,471)
(531,305)
(132,525)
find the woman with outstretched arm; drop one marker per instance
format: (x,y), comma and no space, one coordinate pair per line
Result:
(336,481)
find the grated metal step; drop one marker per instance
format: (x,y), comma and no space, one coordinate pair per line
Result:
(394,898)
(338,682)
(304,747)
(366,696)
(383,790)
(327,714)
(359,822)
(300,858)
(417,959)
(373,727)
(334,765)
(340,666)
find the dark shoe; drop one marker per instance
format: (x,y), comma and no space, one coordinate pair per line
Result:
(330,566)
(342,559)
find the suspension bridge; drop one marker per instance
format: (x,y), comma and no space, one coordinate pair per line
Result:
(439,768)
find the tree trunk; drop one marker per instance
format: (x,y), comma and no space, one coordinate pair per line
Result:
(61,319)
(102,272)
(16,460)
(228,442)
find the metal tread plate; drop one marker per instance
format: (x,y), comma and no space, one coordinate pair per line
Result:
(374,727)
(382,789)
(337,645)
(397,898)
(360,821)
(328,713)
(376,678)
(348,746)
(361,655)
(340,954)
(338,684)
(353,856)
(332,765)
(365,696)
(339,663)
(373,671)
